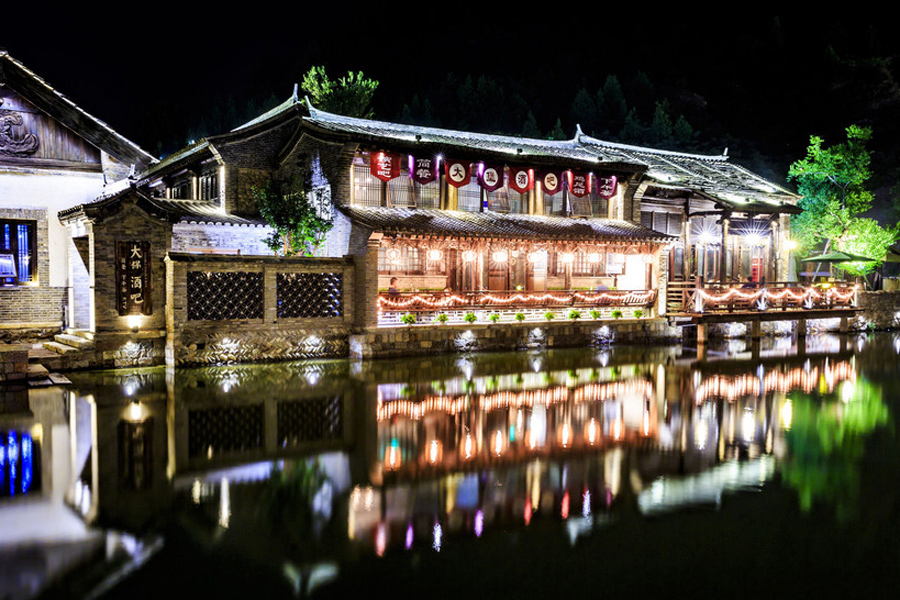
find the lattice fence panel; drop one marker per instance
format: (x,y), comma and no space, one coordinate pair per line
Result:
(228,295)
(310,295)
(315,420)
(225,430)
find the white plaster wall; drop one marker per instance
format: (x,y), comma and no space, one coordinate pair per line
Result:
(54,191)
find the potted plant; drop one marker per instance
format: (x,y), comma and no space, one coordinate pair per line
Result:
(638,313)
(408,319)
(549,315)
(441,318)
(470,317)
(595,314)
(520,316)
(574,314)
(616,314)
(494,318)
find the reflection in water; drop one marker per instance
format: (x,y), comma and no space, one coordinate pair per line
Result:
(316,463)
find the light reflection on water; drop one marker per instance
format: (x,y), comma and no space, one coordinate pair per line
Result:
(318,464)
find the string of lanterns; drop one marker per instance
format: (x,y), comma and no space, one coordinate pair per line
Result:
(762,296)
(435,301)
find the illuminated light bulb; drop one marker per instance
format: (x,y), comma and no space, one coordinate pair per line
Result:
(498,442)
(393,255)
(617,429)
(566,257)
(469,255)
(564,506)
(500,256)
(435,255)
(136,411)
(479,523)
(469,446)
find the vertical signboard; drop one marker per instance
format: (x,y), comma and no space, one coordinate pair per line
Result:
(133,292)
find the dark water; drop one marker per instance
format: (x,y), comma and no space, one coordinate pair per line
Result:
(636,471)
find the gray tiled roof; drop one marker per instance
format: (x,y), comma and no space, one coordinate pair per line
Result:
(174,211)
(519,148)
(461,224)
(714,176)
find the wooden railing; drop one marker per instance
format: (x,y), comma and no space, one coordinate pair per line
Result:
(512,300)
(713,297)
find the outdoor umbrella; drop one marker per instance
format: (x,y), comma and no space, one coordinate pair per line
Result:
(838,257)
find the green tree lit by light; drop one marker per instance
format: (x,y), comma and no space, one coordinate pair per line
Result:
(833,182)
(826,442)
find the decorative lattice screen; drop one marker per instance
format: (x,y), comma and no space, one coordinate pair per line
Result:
(219,296)
(310,295)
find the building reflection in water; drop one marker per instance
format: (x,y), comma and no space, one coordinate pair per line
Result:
(413,454)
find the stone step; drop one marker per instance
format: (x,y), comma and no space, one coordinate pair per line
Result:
(75,341)
(82,333)
(37,371)
(60,348)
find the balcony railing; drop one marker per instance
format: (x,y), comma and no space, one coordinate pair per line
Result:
(777,296)
(506,304)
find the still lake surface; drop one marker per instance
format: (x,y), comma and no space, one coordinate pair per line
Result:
(621,470)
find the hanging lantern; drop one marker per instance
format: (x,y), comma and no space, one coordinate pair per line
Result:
(393,255)
(469,255)
(500,256)
(435,255)
(593,258)
(566,257)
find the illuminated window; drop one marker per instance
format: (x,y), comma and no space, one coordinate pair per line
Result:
(18,252)
(401,260)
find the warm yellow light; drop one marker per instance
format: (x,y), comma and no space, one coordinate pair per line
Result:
(500,256)
(566,257)
(134,322)
(393,255)
(468,255)
(593,258)
(435,255)
(590,432)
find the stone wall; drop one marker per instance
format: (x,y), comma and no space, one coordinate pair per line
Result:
(880,310)
(441,339)
(261,332)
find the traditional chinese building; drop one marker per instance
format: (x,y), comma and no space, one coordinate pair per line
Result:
(428,225)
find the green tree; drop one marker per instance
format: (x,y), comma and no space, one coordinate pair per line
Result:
(298,212)
(350,95)
(833,184)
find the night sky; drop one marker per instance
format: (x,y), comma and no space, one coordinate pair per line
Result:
(148,72)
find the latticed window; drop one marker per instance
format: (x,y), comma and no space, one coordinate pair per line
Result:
(428,195)
(599,206)
(401,259)
(367,190)
(469,197)
(18,252)
(663,222)
(589,264)
(209,186)
(555,204)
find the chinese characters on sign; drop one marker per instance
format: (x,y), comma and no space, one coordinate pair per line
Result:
(133,278)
